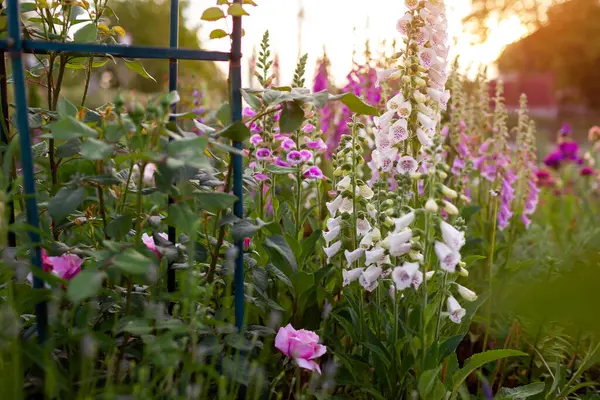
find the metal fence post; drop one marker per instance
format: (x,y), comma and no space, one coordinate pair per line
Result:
(14,30)
(235,76)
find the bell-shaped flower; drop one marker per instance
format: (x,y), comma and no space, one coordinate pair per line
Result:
(384,75)
(422,36)
(332,234)
(383,122)
(263,153)
(344,184)
(332,250)
(334,206)
(402,276)
(368,279)
(399,130)
(354,256)
(288,144)
(375,256)
(424,139)
(318,144)
(256,139)
(466,293)
(417,279)
(426,121)
(383,141)
(394,103)
(403,222)
(350,275)
(403,23)
(347,206)
(384,160)
(407,165)
(440,97)
(294,157)
(334,222)
(454,238)
(365,192)
(455,311)
(404,109)
(362,227)
(399,243)
(447,256)
(427,57)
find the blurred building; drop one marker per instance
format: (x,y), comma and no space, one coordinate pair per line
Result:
(540,90)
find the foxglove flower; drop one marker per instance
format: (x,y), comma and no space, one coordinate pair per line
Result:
(455,311)
(369,278)
(332,250)
(447,256)
(453,238)
(407,165)
(403,276)
(466,293)
(351,275)
(354,256)
(314,173)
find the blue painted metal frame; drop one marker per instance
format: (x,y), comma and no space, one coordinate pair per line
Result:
(15,46)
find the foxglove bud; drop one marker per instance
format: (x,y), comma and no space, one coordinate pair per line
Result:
(431,206)
(450,208)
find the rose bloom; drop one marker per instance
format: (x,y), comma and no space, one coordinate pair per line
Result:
(300,345)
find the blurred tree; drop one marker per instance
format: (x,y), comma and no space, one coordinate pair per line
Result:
(567,45)
(531,13)
(147,23)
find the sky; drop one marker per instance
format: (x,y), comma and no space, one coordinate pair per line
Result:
(342,27)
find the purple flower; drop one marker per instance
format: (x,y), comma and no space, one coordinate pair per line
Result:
(316,145)
(247,112)
(554,159)
(255,128)
(263,153)
(586,171)
(566,129)
(288,144)
(308,128)
(313,173)
(294,157)
(280,162)
(569,149)
(255,139)
(261,177)
(306,155)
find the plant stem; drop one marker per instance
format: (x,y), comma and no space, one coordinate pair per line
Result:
(490,274)
(215,256)
(88,75)
(440,306)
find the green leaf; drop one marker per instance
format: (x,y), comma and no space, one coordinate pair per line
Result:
(280,275)
(69,149)
(245,228)
(39,149)
(309,246)
(449,346)
(137,67)
(251,99)
(427,382)
(66,108)
(69,128)
(132,262)
(238,132)
(278,243)
(26,7)
(88,33)
(522,392)
(355,104)
(218,34)
(471,259)
(292,117)
(119,227)
(94,149)
(279,170)
(212,14)
(224,114)
(183,217)
(65,202)
(113,131)
(481,359)
(215,201)
(85,285)
(236,10)
(172,97)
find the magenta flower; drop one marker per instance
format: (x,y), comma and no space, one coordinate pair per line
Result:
(247,242)
(308,128)
(553,160)
(255,139)
(313,173)
(306,155)
(300,345)
(247,112)
(294,157)
(255,128)
(66,266)
(288,144)
(280,162)
(569,149)
(318,144)
(261,177)
(586,171)
(263,153)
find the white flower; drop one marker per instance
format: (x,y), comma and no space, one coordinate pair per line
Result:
(403,275)
(353,256)
(375,256)
(367,241)
(447,256)
(376,234)
(332,234)
(440,97)
(422,36)
(351,275)
(399,243)
(394,103)
(450,208)
(384,160)
(404,109)
(431,206)
(455,311)
(417,279)
(466,293)
(426,121)
(399,130)
(332,250)
(347,206)
(333,222)
(384,121)
(402,24)
(383,141)
(344,184)
(427,57)
(368,279)
(384,75)
(403,222)
(416,256)
(362,227)
(424,139)
(366,192)
(454,238)
(334,205)
(407,165)
(429,274)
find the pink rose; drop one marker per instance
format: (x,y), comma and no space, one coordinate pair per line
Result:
(66,266)
(302,346)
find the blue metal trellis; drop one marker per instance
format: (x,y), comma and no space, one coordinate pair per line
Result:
(15,46)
